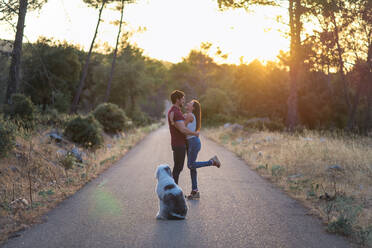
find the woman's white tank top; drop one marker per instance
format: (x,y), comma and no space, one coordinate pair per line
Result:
(191,126)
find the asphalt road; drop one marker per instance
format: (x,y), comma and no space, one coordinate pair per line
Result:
(237,208)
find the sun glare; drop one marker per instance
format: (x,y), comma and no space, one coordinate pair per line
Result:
(173,28)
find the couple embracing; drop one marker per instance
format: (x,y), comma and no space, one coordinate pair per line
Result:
(184,130)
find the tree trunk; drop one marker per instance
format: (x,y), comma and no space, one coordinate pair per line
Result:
(341,63)
(14,70)
(295,30)
(368,124)
(353,108)
(363,84)
(86,65)
(368,120)
(107,96)
(132,96)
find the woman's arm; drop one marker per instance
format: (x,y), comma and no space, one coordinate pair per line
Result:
(180,125)
(188,118)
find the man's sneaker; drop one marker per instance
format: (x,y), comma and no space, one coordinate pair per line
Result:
(216,162)
(194,195)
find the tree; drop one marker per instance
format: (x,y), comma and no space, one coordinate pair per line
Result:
(115,53)
(343,44)
(96,4)
(9,9)
(51,73)
(366,26)
(156,88)
(196,73)
(224,4)
(360,14)
(4,70)
(128,82)
(368,118)
(295,11)
(331,17)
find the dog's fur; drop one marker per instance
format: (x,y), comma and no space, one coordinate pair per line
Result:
(172,204)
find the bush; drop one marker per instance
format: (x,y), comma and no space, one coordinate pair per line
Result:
(275,126)
(277,170)
(7,137)
(342,226)
(62,102)
(364,235)
(215,120)
(22,109)
(111,117)
(85,131)
(346,212)
(140,118)
(67,161)
(264,125)
(51,117)
(216,106)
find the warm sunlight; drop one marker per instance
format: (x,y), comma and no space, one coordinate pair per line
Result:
(275,121)
(173,28)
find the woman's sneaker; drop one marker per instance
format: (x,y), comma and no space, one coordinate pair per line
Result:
(194,195)
(216,162)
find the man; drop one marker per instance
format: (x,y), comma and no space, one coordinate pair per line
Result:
(178,130)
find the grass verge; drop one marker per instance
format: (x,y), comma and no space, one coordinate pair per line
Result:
(330,173)
(40,173)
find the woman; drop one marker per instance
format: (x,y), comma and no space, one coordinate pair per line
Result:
(193,122)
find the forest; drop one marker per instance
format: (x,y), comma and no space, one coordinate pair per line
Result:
(323,82)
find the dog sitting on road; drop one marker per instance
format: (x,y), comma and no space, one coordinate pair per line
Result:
(172,204)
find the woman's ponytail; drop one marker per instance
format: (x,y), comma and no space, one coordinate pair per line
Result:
(197,112)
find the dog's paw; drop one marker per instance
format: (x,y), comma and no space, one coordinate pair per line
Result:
(177,216)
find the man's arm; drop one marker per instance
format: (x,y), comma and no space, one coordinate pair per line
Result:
(171,117)
(180,125)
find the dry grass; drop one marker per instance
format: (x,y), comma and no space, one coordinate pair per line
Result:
(33,172)
(300,164)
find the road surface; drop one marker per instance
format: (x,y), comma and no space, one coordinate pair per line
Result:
(237,208)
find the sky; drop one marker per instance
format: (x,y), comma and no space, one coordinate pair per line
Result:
(172,28)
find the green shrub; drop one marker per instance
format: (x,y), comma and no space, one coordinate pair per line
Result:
(140,118)
(62,102)
(274,126)
(51,117)
(112,118)
(265,125)
(215,120)
(342,226)
(345,211)
(85,131)
(255,125)
(48,117)
(7,137)
(22,110)
(277,170)
(216,106)
(67,161)
(364,235)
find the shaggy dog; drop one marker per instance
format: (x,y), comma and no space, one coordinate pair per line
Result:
(172,204)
